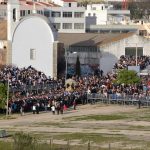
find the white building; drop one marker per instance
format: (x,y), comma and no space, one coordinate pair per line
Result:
(65,15)
(105,14)
(29,41)
(103,50)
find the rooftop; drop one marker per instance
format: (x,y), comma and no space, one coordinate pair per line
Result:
(91,39)
(69,0)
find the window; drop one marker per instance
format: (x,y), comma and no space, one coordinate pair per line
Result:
(38,11)
(46,13)
(89,14)
(57,25)
(79,26)
(79,14)
(32,54)
(69,4)
(29,12)
(56,14)
(67,25)
(131,51)
(22,13)
(94,14)
(67,14)
(94,8)
(14,14)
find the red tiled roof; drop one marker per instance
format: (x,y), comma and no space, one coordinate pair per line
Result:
(31,3)
(69,1)
(91,39)
(48,4)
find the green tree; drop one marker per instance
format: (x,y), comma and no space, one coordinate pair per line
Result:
(78,68)
(127,77)
(136,12)
(3,95)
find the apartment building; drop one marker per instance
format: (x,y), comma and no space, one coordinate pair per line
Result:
(65,15)
(105,14)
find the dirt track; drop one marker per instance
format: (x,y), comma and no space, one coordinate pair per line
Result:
(38,122)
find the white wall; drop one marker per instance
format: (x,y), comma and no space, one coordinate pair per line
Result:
(33,33)
(106,15)
(72,19)
(1,44)
(112,51)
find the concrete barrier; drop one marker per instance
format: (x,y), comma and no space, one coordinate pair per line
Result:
(3,133)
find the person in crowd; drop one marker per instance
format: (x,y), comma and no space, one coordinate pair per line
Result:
(139,103)
(37,108)
(74,104)
(33,86)
(61,107)
(22,110)
(53,109)
(34,108)
(58,107)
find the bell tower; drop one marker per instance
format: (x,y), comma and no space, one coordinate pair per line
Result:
(13,15)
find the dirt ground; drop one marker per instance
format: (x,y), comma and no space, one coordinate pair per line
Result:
(46,122)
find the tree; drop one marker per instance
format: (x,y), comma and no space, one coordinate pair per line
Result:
(139,10)
(78,68)
(3,95)
(127,77)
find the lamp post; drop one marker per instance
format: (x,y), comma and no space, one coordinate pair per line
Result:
(136,53)
(66,57)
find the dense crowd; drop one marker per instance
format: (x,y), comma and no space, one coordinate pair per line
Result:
(126,61)
(58,98)
(24,77)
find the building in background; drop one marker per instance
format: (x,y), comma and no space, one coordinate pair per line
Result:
(102,51)
(66,16)
(29,41)
(106,15)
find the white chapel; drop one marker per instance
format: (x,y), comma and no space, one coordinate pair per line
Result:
(30,41)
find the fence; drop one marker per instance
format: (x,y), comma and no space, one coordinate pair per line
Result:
(45,86)
(122,100)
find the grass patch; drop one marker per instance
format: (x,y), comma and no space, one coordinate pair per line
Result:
(139,128)
(94,137)
(99,117)
(137,115)
(98,141)
(48,124)
(4,117)
(6,145)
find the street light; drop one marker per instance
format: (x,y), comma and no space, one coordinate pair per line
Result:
(136,54)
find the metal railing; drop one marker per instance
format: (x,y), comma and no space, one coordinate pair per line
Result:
(46,86)
(122,100)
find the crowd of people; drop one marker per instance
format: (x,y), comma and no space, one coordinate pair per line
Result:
(126,61)
(22,78)
(58,98)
